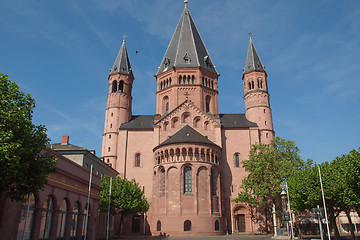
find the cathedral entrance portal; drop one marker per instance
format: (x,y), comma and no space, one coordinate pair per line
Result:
(240,220)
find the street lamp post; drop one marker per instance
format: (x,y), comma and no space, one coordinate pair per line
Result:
(319,214)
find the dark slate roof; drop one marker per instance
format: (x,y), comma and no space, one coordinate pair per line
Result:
(235,121)
(186,43)
(122,62)
(139,122)
(187,135)
(253,61)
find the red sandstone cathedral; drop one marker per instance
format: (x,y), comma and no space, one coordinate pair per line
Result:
(187,156)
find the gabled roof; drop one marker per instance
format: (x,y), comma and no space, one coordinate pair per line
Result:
(139,122)
(122,62)
(235,121)
(253,62)
(186,48)
(187,135)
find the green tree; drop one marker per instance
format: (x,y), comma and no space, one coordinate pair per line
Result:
(23,169)
(268,166)
(126,197)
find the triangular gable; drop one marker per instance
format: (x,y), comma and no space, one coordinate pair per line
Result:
(184,107)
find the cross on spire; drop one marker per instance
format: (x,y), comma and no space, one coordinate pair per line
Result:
(187,95)
(250,34)
(124,36)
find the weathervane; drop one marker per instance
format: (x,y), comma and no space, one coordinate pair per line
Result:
(250,34)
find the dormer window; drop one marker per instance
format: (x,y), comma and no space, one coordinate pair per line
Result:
(166,61)
(187,59)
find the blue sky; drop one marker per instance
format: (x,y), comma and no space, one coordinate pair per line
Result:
(61,53)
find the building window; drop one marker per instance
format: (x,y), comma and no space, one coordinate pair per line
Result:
(158,226)
(167,107)
(113,86)
(207,106)
(212,183)
(137,160)
(162,182)
(63,213)
(121,86)
(187,225)
(75,220)
(237,160)
(217,225)
(187,180)
(30,217)
(47,212)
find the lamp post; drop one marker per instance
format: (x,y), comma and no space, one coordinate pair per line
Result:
(285,215)
(318,213)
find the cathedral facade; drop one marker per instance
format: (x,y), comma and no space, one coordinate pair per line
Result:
(187,156)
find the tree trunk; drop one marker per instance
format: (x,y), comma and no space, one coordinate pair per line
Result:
(121,225)
(332,219)
(350,225)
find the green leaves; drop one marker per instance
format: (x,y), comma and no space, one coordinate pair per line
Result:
(268,166)
(126,197)
(22,169)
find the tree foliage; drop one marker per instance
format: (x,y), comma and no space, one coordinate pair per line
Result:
(268,166)
(126,197)
(341,184)
(23,169)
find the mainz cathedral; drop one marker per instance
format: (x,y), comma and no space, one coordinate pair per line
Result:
(187,157)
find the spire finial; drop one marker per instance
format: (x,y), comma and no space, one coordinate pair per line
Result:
(186,2)
(250,34)
(124,36)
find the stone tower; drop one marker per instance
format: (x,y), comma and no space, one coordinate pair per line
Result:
(256,95)
(186,71)
(119,99)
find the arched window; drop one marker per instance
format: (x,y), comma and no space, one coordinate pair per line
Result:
(249,85)
(63,213)
(185,117)
(212,84)
(47,212)
(161,86)
(174,122)
(187,225)
(86,209)
(165,104)
(207,106)
(180,78)
(121,86)
(184,79)
(258,83)
(237,160)
(137,160)
(169,81)
(193,79)
(187,180)
(188,79)
(75,220)
(29,220)
(217,225)
(158,226)
(114,86)
(162,182)
(252,84)
(212,183)
(203,81)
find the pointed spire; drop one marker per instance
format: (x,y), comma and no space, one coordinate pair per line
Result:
(186,48)
(122,62)
(253,62)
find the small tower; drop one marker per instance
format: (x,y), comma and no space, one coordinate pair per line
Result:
(256,95)
(119,99)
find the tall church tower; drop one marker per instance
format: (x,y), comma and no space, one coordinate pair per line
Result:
(256,95)
(119,99)
(186,71)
